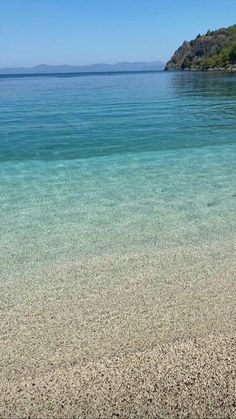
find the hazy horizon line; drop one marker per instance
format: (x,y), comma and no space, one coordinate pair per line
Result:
(155,62)
(90,68)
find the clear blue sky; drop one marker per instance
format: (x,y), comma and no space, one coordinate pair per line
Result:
(91,31)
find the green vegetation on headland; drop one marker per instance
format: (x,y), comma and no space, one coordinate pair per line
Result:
(214,51)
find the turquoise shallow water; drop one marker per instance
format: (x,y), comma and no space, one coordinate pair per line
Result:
(106,164)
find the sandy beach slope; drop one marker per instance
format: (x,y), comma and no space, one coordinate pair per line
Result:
(141,335)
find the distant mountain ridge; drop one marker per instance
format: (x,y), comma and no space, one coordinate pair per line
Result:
(122,66)
(214,51)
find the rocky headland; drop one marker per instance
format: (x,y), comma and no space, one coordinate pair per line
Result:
(214,51)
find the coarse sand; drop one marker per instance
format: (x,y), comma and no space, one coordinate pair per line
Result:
(140,335)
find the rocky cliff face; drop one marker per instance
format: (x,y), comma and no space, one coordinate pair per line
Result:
(216,50)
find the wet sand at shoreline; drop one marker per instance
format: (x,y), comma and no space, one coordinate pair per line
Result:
(142,335)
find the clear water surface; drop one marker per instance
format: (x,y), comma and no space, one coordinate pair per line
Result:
(113,163)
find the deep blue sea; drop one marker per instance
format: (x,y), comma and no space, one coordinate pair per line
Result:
(101,164)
